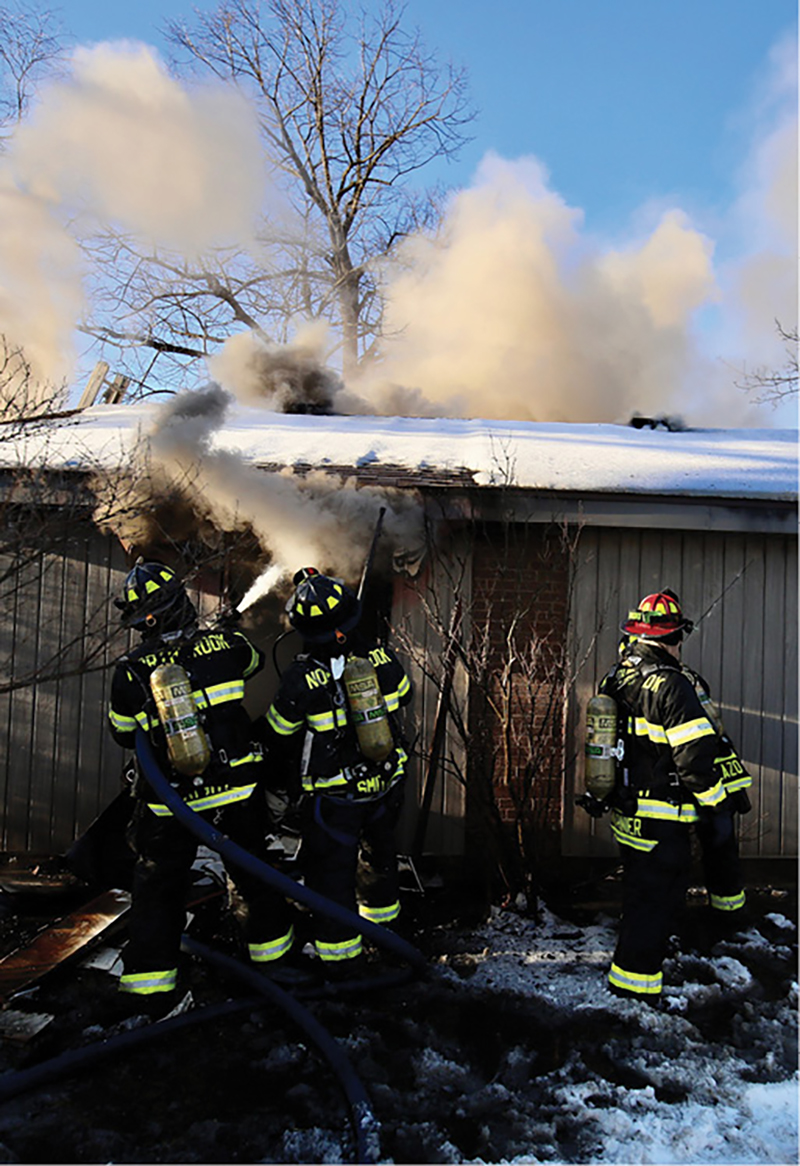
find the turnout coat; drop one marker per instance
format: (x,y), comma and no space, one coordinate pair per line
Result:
(218,663)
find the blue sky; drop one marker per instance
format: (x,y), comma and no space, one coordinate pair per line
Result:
(624,101)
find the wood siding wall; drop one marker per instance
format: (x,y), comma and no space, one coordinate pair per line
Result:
(745,647)
(59,766)
(420,631)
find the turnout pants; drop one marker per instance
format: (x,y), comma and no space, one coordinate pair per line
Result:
(656,868)
(719,849)
(337,832)
(161,881)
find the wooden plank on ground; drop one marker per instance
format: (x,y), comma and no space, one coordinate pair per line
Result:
(58,942)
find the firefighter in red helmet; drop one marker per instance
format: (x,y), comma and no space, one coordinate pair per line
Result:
(225,780)
(679,770)
(351,761)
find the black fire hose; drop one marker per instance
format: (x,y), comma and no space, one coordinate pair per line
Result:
(236,854)
(365,1124)
(87,1056)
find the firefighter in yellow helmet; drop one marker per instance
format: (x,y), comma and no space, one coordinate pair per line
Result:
(679,770)
(352,792)
(226,783)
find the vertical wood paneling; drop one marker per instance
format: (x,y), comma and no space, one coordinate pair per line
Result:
(23,709)
(447,578)
(60,766)
(45,696)
(789,750)
(9,603)
(772,677)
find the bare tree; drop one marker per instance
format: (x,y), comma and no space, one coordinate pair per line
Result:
(773,385)
(31,46)
(351,107)
(27,403)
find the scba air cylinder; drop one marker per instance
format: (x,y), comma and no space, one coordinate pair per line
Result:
(187,743)
(368,709)
(601,746)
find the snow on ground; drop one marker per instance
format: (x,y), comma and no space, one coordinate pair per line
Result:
(697,1101)
(515,1052)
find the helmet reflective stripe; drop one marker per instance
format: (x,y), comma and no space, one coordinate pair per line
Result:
(152,590)
(322,608)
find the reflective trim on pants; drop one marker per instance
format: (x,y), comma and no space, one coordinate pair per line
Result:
(637,983)
(146,983)
(727,902)
(379,914)
(626,831)
(348,949)
(262,953)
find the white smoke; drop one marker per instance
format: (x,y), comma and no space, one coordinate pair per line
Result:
(511,312)
(759,277)
(117,144)
(313,520)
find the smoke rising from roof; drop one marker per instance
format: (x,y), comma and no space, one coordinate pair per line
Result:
(314,518)
(511,310)
(286,378)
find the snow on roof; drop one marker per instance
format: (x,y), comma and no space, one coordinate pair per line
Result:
(583,458)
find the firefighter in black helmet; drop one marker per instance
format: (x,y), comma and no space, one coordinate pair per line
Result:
(351,801)
(679,770)
(230,787)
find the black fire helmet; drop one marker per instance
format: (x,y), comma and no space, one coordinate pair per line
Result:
(322,609)
(154,597)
